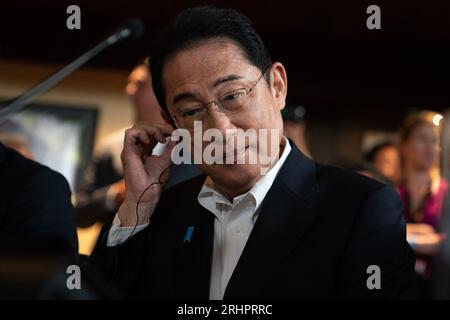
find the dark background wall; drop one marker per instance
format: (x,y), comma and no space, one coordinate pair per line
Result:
(349,78)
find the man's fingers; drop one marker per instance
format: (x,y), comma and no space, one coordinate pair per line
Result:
(143,135)
(164,129)
(140,142)
(167,153)
(155,133)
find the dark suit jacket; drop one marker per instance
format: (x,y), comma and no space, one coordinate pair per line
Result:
(36,213)
(318,231)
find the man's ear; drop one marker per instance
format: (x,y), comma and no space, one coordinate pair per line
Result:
(278,84)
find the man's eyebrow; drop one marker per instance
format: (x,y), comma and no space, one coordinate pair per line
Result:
(227,78)
(183,95)
(190,95)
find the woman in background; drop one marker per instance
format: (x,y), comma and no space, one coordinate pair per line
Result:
(385,158)
(422,189)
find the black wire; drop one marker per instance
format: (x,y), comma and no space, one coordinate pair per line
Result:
(139,200)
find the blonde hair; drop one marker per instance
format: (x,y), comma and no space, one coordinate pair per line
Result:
(417,119)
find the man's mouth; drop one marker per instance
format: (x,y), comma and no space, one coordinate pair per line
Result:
(235,156)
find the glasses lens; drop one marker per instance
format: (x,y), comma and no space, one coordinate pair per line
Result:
(229,104)
(233,101)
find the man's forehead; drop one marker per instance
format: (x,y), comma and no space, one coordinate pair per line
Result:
(204,63)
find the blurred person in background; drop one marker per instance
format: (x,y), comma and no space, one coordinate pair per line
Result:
(36,214)
(37,221)
(103,187)
(385,158)
(422,189)
(37,226)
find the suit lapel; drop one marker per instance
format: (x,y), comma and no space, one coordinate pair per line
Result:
(284,217)
(193,270)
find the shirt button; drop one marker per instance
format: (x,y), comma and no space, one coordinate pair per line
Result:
(237,230)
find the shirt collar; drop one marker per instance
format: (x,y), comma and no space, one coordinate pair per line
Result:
(209,196)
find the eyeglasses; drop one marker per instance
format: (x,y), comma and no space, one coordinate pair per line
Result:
(229,104)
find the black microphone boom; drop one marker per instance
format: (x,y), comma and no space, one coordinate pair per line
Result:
(132,28)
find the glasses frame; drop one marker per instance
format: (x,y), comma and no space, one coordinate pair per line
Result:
(217,102)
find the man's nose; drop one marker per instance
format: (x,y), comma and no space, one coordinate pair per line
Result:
(217,119)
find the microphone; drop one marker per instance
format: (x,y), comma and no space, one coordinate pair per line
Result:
(130,29)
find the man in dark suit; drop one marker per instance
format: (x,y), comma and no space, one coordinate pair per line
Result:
(36,214)
(285,229)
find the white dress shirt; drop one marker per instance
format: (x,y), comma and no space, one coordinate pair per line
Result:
(232,226)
